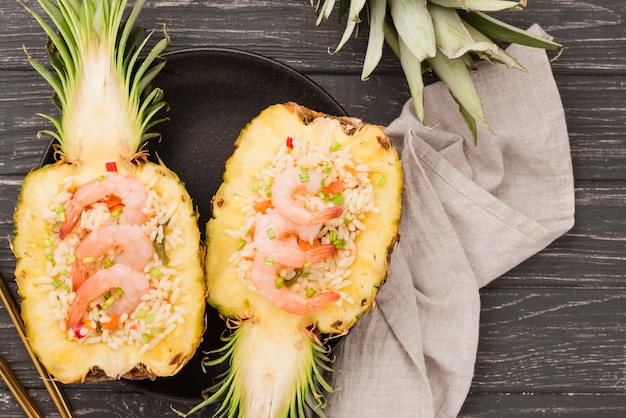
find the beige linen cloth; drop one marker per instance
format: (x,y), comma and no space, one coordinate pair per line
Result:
(470,213)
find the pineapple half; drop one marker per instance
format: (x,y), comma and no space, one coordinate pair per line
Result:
(137,290)
(278,348)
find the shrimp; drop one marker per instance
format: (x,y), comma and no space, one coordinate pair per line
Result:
(133,283)
(276,239)
(264,277)
(287,184)
(133,248)
(130,191)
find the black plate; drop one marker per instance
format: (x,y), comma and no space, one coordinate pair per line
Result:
(212,94)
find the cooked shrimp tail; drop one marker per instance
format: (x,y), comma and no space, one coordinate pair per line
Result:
(264,277)
(286,185)
(130,191)
(133,284)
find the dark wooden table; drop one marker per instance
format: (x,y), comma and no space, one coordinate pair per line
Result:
(553,330)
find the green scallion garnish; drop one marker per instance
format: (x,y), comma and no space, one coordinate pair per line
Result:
(268,261)
(57,283)
(310,293)
(280,282)
(156,273)
(240,244)
(270,233)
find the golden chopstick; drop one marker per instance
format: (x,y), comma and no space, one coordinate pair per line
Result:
(20,394)
(53,389)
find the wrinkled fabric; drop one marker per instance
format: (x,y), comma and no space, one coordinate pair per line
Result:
(470,214)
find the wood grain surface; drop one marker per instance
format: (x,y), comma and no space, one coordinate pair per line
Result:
(552,332)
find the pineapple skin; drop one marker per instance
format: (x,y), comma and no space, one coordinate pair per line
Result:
(64,358)
(261,386)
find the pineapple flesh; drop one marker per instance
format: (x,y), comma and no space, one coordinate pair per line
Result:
(137,299)
(282,316)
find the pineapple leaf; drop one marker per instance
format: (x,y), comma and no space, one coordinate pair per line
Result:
(505,32)
(376,39)
(414,25)
(482,5)
(455,75)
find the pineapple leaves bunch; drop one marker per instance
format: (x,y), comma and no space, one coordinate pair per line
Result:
(298,245)
(109,265)
(442,36)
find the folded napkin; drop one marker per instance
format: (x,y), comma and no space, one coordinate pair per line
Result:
(470,213)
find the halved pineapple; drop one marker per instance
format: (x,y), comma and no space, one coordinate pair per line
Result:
(282,314)
(130,269)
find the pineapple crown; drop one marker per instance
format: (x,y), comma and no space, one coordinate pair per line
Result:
(101,82)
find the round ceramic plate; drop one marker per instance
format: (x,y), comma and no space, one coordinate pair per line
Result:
(212,94)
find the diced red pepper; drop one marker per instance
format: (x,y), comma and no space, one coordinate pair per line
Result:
(289,142)
(76,328)
(111,166)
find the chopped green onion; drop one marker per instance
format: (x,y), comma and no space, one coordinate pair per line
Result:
(381,180)
(268,192)
(59,209)
(62,217)
(310,293)
(338,199)
(156,273)
(335,146)
(71,258)
(63,272)
(100,178)
(333,235)
(280,282)
(118,292)
(108,302)
(47,242)
(305,275)
(108,263)
(248,232)
(304,177)
(50,258)
(267,181)
(304,168)
(269,261)
(117,212)
(338,244)
(307,265)
(88,260)
(156,330)
(150,318)
(240,244)
(141,313)
(145,337)
(255,185)
(270,233)
(57,283)
(327,168)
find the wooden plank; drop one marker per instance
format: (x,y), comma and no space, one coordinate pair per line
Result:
(286,29)
(551,340)
(571,405)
